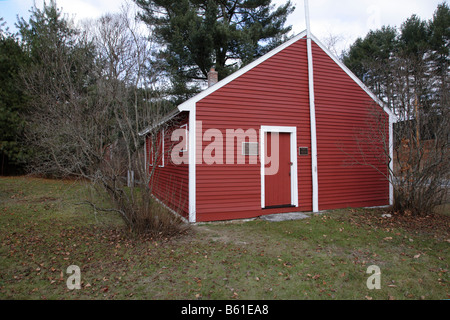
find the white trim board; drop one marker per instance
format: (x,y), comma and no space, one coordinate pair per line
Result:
(312,116)
(192,137)
(294,168)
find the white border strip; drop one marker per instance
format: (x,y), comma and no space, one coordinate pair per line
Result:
(391,163)
(192,165)
(169,209)
(312,115)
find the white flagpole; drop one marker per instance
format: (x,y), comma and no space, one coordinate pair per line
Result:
(308,26)
(312,111)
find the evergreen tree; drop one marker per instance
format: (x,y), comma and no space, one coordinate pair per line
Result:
(439,37)
(407,65)
(368,58)
(13,151)
(413,46)
(199,34)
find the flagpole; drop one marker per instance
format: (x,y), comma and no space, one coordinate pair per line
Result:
(312,110)
(308,26)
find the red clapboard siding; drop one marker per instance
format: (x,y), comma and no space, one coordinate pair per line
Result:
(274,93)
(170,183)
(342,111)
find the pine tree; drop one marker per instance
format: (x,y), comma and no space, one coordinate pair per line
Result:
(368,58)
(196,35)
(13,152)
(440,54)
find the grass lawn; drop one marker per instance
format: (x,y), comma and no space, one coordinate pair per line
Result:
(43,231)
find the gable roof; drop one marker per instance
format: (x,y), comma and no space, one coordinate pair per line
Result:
(164,120)
(190,104)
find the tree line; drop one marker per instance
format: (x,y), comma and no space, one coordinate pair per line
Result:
(407,67)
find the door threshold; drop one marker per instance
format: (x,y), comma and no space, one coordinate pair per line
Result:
(280,206)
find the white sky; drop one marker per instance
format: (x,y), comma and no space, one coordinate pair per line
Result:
(347,19)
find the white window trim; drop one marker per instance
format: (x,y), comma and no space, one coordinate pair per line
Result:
(294,171)
(162,152)
(186,137)
(150,153)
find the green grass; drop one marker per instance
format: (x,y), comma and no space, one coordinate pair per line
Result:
(43,231)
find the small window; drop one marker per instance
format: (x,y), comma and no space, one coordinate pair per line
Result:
(250,148)
(303,151)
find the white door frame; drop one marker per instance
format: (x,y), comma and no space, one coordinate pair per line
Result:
(294,172)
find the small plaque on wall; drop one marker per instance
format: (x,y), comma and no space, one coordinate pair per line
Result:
(303,151)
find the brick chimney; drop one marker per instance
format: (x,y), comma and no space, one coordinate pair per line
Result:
(213,77)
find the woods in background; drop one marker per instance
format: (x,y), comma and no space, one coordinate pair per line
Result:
(408,69)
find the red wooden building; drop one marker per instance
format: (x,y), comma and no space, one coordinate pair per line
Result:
(276,136)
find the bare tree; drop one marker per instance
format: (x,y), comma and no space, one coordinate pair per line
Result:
(420,173)
(332,43)
(128,86)
(89,106)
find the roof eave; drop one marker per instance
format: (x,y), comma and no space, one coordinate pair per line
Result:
(167,118)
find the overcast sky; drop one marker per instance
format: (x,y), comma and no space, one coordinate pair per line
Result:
(347,19)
